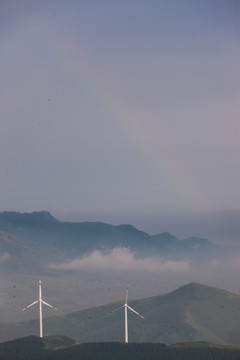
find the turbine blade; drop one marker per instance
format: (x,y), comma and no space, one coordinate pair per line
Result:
(135,312)
(27,307)
(52,307)
(116,309)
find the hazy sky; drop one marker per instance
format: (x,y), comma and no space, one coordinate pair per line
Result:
(115,109)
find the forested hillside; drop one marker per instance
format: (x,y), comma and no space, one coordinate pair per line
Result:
(34,348)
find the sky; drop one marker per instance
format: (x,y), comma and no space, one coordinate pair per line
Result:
(122,111)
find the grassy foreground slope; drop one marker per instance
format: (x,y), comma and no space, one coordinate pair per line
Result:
(192,313)
(34,348)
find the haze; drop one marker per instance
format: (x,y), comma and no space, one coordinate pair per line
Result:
(123,111)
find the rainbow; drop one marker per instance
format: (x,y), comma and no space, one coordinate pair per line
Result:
(150,140)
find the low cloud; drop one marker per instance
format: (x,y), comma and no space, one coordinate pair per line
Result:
(121,259)
(234,263)
(4,257)
(229,264)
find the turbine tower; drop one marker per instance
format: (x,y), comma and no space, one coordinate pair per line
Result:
(126,307)
(40,301)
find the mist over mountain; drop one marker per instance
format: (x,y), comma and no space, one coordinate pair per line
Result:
(89,263)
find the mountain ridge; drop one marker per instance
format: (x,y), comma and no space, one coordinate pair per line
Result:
(10,220)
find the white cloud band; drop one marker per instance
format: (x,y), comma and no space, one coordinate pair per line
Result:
(122,259)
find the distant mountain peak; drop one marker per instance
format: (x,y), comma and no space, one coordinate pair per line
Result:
(165,236)
(131,229)
(201,290)
(13,217)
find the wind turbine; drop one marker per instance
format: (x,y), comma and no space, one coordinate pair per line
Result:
(126,307)
(40,301)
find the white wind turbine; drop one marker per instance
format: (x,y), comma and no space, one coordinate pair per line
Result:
(126,307)
(40,301)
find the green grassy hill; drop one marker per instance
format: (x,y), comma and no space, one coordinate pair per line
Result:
(192,313)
